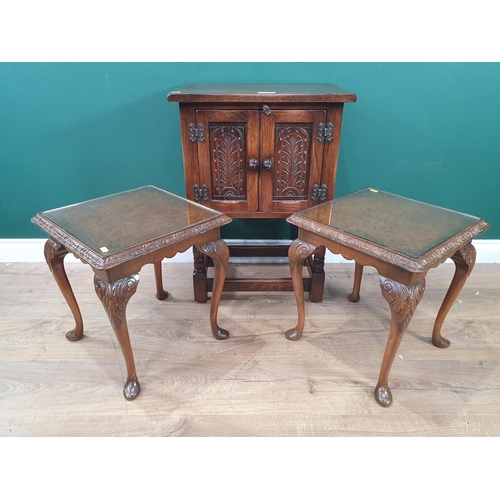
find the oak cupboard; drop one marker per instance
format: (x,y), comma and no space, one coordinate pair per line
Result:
(260,151)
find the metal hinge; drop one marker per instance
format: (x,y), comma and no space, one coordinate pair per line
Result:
(319,193)
(325,132)
(196,132)
(200,193)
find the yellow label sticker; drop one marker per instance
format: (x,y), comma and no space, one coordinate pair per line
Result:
(374,190)
(477,293)
(104,249)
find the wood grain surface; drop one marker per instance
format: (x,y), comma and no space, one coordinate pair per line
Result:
(256,383)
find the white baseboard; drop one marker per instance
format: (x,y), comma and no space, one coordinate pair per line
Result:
(31,250)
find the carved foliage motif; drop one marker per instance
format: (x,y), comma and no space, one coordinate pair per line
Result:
(299,251)
(218,250)
(467,256)
(115,296)
(402,299)
(292,159)
(50,250)
(227,146)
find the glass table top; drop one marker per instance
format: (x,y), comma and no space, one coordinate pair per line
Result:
(406,226)
(119,221)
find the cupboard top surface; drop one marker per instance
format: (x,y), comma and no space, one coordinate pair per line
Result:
(264,93)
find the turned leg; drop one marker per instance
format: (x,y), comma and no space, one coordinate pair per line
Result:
(317,275)
(199,275)
(403,301)
(114,298)
(298,252)
(54,255)
(464,259)
(161,294)
(358,274)
(219,253)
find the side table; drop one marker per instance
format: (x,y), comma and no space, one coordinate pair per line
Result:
(402,239)
(117,235)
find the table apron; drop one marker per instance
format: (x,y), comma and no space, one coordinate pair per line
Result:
(384,268)
(135,264)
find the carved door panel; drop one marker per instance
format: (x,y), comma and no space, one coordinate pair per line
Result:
(228,159)
(292,144)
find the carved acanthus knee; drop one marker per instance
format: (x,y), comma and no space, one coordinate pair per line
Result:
(115,296)
(466,256)
(299,251)
(217,250)
(52,250)
(402,299)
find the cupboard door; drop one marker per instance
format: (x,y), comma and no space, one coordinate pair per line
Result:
(228,159)
(292,158)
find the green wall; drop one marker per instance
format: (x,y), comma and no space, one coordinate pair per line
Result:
(74,131)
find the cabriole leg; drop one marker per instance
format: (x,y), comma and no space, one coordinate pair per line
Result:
(403,301)
(298,252)
(54,256)
(219,252)
(114,298)
(464,259)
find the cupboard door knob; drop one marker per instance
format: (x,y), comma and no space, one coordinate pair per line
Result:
(267,164)
(253,164)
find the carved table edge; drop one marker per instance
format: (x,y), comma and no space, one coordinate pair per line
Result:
(432,258)
(91,257)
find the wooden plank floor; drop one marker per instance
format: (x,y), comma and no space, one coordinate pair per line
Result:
(256,383)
